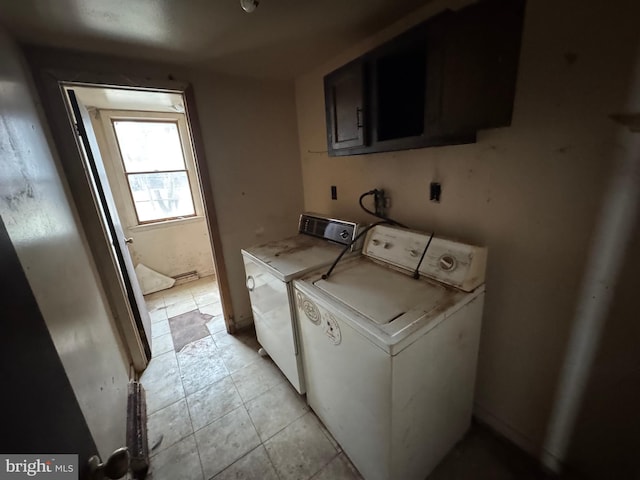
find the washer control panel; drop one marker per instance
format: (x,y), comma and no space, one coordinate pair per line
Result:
(339,231)
(447,261)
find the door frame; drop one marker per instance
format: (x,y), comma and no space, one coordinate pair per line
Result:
(50,85)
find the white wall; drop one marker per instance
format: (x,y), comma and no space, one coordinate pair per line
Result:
(43,227)
(250,133)
(529,192)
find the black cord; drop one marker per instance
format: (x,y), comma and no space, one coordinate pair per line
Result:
(387,219)
(384,221)
(347,247)
(370,192)
(416,273)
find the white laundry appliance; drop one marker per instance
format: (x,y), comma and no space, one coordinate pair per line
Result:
(390,359)
(270,267)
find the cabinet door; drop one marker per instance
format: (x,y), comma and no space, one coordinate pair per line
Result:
(481,51)
(398,89)
(344,97)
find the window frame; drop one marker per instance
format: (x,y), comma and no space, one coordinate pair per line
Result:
(117,165)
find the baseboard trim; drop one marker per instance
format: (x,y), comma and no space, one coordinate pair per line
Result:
(512,434)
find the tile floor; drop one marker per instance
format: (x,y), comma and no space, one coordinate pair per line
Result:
(218,410)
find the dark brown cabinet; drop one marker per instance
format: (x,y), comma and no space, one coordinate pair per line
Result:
(480,63)
(436,84)
(345,106)
(399,71)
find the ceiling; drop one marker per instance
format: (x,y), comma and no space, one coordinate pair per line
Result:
(281,39)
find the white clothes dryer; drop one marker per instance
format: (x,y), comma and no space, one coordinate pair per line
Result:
(269,269)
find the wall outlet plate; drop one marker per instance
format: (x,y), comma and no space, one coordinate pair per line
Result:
(435,190)
(379,202)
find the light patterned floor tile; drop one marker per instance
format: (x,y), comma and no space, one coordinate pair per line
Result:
(340,468)
(254,465)
(161,344)
(180,308)
(200,365)
(300,450)
(275,409)
(168,426)
(216,324)
(237,355)
(246,337)
(204,285)
(180,462)
(256,378)
(213,309)
(160,328)
(224,441)
(158,315)
(213,402)
(162,383)
(207,298)
(154,303)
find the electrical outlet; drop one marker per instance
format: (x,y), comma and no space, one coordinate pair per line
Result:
(379,201)
(435,190)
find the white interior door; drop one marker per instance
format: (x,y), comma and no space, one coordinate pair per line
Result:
(110,219)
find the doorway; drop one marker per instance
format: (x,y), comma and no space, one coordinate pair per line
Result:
(143,147)
(53,86)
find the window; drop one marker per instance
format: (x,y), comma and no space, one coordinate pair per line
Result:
(155,168)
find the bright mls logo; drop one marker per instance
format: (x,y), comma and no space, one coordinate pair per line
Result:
(51,467)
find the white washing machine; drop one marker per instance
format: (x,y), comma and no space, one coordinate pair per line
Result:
(390,360)
(270,267)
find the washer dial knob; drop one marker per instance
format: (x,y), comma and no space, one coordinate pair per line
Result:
(447,263)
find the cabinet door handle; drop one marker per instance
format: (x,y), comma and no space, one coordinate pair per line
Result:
(359,117)
(251,283)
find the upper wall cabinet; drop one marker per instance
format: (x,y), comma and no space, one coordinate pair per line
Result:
(345,104)
(436,84)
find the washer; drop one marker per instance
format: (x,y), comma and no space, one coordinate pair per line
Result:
(270,267)
(390,360)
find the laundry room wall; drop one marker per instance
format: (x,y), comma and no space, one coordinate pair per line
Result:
(530,193)
(250,140)
(72,367)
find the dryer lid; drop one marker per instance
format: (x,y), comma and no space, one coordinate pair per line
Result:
(294,256)
(382,294)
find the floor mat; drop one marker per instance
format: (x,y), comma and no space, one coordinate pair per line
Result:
(188,327)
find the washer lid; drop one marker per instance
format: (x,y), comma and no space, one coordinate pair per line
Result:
(380,293)
(294,256)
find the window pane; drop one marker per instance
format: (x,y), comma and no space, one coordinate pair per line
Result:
(149,146)
(161,195)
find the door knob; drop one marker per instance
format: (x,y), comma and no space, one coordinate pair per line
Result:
(128,241)
(116,465)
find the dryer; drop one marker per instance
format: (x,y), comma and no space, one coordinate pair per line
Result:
(270,268)
(390,359)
